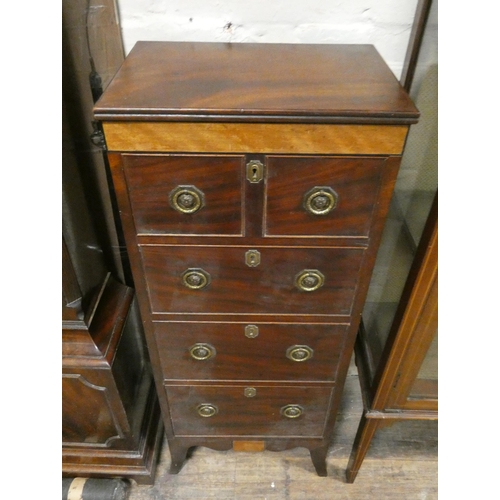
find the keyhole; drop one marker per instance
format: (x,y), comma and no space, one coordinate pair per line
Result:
(254,173)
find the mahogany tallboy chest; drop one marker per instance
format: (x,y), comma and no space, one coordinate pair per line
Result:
(253,181)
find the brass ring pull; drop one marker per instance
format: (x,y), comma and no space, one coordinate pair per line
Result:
(309,280)
(207,410)
(195,278)
(292,411)
(299,353)
(186,199)
(320,200)
(202,352)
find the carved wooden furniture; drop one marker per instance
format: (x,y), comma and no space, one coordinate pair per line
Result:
(396,349)
(398,389)
(111,423)
(253,182)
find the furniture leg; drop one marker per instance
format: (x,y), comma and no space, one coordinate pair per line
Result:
(364,435)
(178,454)
(318,457)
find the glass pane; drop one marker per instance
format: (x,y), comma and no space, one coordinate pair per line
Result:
(413,196)
(426,383)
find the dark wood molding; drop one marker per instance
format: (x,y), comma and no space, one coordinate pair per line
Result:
(415,43)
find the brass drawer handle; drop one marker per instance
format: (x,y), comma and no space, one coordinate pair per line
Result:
(207,410)
(195,278)
(320,200)
(201,352)
(186,199)
(292,411)
(299,353)
(309,280)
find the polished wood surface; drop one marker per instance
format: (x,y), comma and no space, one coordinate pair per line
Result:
(245,80)
(265,138)
(387,391)
(219,179)
(354,180)
(239,415)
(235,287)
(266,217)
(238,357)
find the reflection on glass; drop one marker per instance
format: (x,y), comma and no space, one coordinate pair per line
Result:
(413,196)
(426,383)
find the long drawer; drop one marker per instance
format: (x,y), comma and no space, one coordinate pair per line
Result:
(195,279)
(248,411)
(258,351)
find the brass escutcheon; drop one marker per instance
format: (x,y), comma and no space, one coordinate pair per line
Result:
(201,352)
(207,410)
(186,199)
(195,278)
(255,171)
(299,353)
(320,200)
(251,331)
(292,411)
(250,392)
(309,280)
(252,258)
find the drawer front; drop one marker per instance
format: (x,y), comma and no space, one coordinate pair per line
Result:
(176,194)
(260,351)
(237,414)
(321,196)
(269,287)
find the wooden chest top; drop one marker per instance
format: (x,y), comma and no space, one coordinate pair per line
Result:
(187,81)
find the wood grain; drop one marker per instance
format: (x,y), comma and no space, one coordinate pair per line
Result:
(247,80)
(268,288)
(355,181)
(234,410)
(240,358)
(255,138)
(219,179)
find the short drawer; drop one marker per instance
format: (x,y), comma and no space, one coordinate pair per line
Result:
(219,279)
(248,410)
(257,351)
(181,194)
(321,196)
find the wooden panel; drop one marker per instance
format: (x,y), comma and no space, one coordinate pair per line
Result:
(245,79)
(355,182)
(151,179)
(249,446)
(88,416)
(264,138)
(239,415)
(237,357)
(268,288)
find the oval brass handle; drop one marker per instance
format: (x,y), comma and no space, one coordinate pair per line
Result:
(299,353)
(309,280)
(201,352)
(292,411)
(207,410)
(320,200)
(186,199)
(195,278)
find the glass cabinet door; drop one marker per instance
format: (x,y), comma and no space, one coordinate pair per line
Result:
(414,193)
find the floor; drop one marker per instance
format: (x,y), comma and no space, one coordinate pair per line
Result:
(402,464)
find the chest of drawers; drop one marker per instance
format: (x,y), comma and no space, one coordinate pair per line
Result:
(252,182)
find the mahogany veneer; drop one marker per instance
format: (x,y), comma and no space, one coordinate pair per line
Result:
(253,182)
